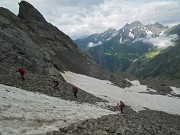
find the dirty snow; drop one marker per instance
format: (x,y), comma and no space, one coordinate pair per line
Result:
(23,112)
(136,96)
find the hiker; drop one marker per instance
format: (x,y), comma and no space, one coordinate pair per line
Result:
(75,90)
(122,105)
(56,83)
(22,72)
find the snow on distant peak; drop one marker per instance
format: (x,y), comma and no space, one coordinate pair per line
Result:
(120,38)
(91,44)
(109,39)
(134,60)
(112,36)
(149,33)
(29,113)
(161,33)
(131,34)
(136,96)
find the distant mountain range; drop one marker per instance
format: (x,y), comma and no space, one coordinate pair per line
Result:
(119,51)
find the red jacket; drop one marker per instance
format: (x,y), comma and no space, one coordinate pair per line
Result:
(21,71)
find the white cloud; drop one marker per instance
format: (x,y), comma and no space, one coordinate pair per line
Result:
(91,44)
(84,17)
(162,41)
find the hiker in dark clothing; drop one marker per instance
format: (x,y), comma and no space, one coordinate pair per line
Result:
(75,90)
(56,83)
(122,105)
(22,72)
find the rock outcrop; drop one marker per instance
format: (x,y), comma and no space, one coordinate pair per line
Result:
(131,123)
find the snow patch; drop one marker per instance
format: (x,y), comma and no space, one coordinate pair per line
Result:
(131,34)
(175,90)
(134,60)
(24,112)
(149,33)
(112,36)
(161,33)
(120,38)
(108,38)
(136,96)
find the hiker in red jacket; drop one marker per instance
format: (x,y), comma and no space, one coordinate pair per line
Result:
(22,72)
(75,90)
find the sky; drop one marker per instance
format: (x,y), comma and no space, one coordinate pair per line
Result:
(85,17)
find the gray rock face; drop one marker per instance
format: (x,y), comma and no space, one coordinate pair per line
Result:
(29,41)
(29,13)
(16,45)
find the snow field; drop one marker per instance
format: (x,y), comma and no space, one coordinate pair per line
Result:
(136,96)
(23,112)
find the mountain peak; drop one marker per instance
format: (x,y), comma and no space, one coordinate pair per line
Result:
(136,23)
(158,25)
(29,13)
(133,24)
(110,30)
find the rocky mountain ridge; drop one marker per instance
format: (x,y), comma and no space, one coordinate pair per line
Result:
(128,44)
(130,32)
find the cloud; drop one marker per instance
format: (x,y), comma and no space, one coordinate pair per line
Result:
(162,41)
(75,17)
(91,44)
